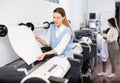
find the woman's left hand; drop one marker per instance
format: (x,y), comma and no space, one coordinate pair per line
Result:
(41,57)
(107,41)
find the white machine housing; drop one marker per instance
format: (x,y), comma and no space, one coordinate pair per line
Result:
(56,66)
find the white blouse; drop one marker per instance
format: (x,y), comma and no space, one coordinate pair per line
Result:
(112,34)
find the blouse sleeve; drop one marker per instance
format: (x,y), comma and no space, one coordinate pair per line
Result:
(63,44)
(48,37)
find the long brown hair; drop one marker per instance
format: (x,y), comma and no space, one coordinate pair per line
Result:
(61,11)
(113,23)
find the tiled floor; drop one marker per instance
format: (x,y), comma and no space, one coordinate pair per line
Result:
(104,79)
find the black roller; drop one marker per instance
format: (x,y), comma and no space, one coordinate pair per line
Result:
(35,80)
(3,30)
(51,22)
(20,24)
(30,25)
(47,24)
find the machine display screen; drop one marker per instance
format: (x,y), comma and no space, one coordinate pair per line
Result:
(92,24)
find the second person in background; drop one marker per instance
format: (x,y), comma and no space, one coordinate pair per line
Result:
(111,40)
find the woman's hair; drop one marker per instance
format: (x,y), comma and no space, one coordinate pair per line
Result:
(113,23)
(61,11)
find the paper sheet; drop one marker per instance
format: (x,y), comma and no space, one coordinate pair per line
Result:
(24,43)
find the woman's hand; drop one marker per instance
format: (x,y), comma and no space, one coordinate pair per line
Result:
(43,42)
(41,57)
(107,41)
(37,38)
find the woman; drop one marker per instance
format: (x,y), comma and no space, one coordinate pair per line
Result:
(111,41)
(60,36)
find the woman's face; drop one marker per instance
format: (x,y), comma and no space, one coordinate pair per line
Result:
(109,24)
(58,19)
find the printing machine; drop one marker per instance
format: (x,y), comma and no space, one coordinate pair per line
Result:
(87,39)
(13,69)
(49,71)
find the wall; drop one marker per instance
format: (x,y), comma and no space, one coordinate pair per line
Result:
(78,13)
(104,9)
(16,11)
(13,12)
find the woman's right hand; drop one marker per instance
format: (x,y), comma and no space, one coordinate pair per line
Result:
(37,38)
(41,57)
(43,42)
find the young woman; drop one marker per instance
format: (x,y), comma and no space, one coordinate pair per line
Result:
(111,41)
(60,36)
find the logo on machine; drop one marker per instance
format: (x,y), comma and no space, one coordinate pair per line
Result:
(53,1)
